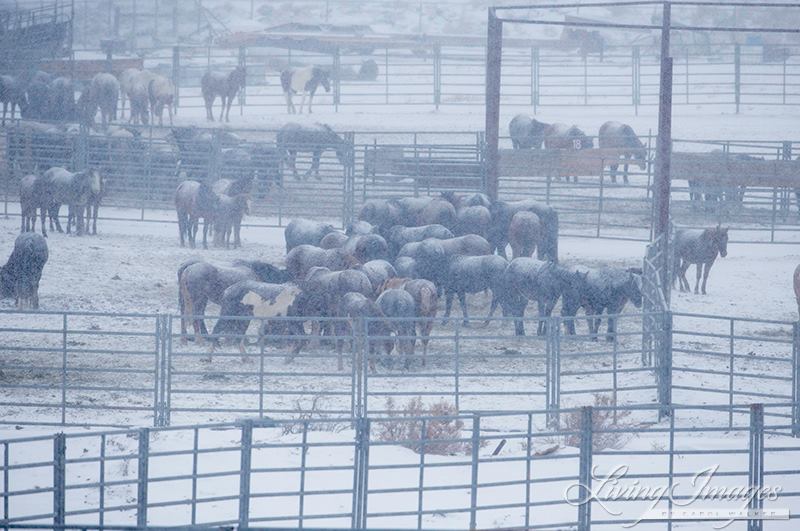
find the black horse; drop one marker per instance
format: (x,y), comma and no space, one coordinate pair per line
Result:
(303,81)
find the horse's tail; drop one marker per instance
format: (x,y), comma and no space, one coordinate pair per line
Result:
(428,302)
(286,81)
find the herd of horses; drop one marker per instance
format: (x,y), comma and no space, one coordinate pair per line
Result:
(394,267)
(40,95)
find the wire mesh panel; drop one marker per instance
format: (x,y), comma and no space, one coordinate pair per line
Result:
(77,368)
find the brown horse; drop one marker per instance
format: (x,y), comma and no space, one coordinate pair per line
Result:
(215,84)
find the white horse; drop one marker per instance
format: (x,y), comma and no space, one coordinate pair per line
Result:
(304,81)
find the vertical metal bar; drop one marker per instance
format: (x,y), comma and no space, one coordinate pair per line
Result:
(59,478)
(244,473)
(141,477)
(585,470)
(156,365)
(386,74)
(303,452)
(784,78)
(421,479)
(730,374)
(6,461)
(737,75)
(337,85)
(615,383)
(102,477)
(773,219)
(528,462)
(242,95)
(537,79)
(437,75)
(671,477)
(64,371)
(756,458)
(458,365)
(599,201)
(665,361)
(167,376)
(261,380)
(176,74)
(493,71)
(195,441)
(687,75)
(473,498)
(795,379)
(585,79)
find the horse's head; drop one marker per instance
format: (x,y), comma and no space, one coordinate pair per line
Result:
(573,286)
(323,77)
(633,289)
(721,240)
(640,156)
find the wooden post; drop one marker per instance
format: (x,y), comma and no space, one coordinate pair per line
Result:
(661,193)
(494,56)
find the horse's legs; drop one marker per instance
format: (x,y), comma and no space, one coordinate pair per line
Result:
(289,104)
(613,172)
(205,232)
(699,273)
(222,110)
(44,225)
(169,110)
(683,282)
(182,222)
(462,299)
(303,102)
(193,226)
(228,109)
(5,108)
(209,101)
(314,165)
(310,99)
(93,213)
(293,162)
(705,274)
(448,306)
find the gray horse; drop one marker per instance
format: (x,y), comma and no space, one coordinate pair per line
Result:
(226,86)
(608,289)
(619,135)
(700,247)
(526,132)
(295,138)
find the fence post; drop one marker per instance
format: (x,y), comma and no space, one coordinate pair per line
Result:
(473,503)
(244,473)
(143,459)
(64,349)
(756,469)
(337,78)
(796,379)
(360,474)
(242,97)
(437,75)
(585,470)
(737,75)
(553,372)
(176,76)
(664,364)
(59,478)
(534,78)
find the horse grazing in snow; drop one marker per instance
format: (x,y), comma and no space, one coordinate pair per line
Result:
(303,81)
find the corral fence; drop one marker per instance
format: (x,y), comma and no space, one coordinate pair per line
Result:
(748,186)
(449,75)
(405,472)
(78,368)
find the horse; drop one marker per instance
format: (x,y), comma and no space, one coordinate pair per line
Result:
(102,93)
(304,81)
(161,93)
(619,135)
(293,138)
(608,289)
(195,200)
(226,86)
(526,132)
(700,247)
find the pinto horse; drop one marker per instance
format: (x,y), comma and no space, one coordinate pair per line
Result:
(304,81)
(215,84)
(701,247)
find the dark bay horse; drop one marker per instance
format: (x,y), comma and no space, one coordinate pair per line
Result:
(226,86)
(700,247)
(619,135)
(303,81)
